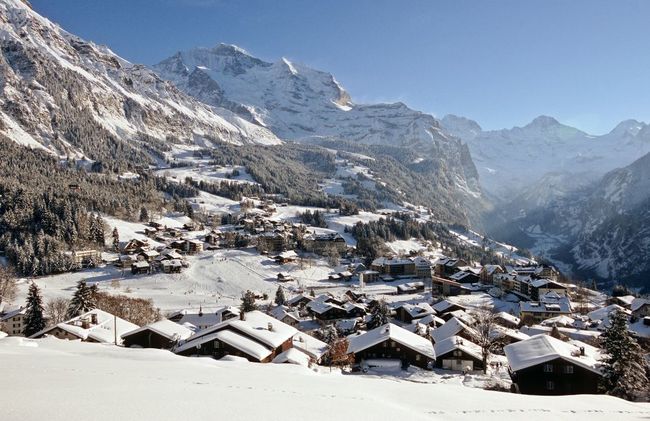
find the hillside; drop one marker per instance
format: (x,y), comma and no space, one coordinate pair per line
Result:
(164,386)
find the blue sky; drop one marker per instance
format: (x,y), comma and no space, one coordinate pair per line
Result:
(500,62)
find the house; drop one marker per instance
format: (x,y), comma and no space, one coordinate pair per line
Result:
(487,273)
(507,320)
(355,309)
(213,238)
(283,314)
(461,315)
(203,319)
(453,327)
(446,306)
(326,311)
(448,287)
(171,266)
(299,301)
(163,334)
(640,308)
(148,255)
(406,313)
(348,326)
(410,288)
(13,322)
(140,267)
(94,326)
(465,277)
(272,242)
(544,365)
(445,267)
(86,258)
(284,277)
(392,342)
(311,346)
(286,257)
(393,267)
(319,243)
(368,276)
(255,336)
(590,336)
(423,267)
(135,246)
(459,354)
(430,320)
(194,246)
(536,311)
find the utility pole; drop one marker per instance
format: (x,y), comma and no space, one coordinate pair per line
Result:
(115,327)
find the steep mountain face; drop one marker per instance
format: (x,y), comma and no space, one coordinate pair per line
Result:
(512,160)
(599,230)
(75,98)
(302,104)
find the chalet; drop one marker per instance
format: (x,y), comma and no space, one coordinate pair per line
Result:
(446,306)
(299,301)
(135,246)
(140,267)
(461,315)
(355,309)
(445,267)
(169,254)
(506,336)
(394,267)
(507,320)
(284,277)
(465,277)
(319,243)
(392,342)
(148,255)
(255,336)
(326,311)
(368,276)
(171,266)
(590,336)
(163,334)
(286,257)
(536,311)
(453,327)
(203,319)
(93,326)
(430,320)
(194,246)
(311,346)
(459,354)
(640,308)
(423,267)
(410,288)
(448,287)
(13,322)
(272,242)
(406,313)
(180,245)
(213,238)
(487,273)
(283,314)
(543,365)
(348,326)
(86,258)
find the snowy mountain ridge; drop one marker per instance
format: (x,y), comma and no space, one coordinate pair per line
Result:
(49,76)
(510,160)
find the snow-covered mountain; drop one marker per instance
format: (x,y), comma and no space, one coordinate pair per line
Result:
(58,91)
(302,104)
(601,229)
(512,160)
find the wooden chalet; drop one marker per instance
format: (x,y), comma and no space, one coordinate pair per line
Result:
(163,334)
(459,354)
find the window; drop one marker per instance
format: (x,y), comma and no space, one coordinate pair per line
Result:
(548,368)
(417,357)
(550,385)
(458,353)
(568,369)
(217,344)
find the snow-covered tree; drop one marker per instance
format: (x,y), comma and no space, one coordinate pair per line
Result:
(488,337)
(280,299)
(144,214)
(34,320)
(624,369)
(248,302)
(329,334)
(379,315)
(81,302)
(56,310)
(116,240)
(7,285)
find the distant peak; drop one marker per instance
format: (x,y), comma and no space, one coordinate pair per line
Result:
(630,126)
(230,49)
(289,66)
(543,121)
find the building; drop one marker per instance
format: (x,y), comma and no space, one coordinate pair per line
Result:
(13,322)
(140,267)
(406,313)
(163,334)
(544,365)
(446,306)
(537,311)
(410,288)
(320,243)
(394,267)
(255,336)
(86,258)
(640,308)
(202,319)
(326,310)
(459,354)
(368,276)
(392,342)
(487,273)
(453,327)
(465,277)
(94,326)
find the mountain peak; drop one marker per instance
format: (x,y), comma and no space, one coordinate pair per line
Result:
(230,50)
(628,127)
(543,121)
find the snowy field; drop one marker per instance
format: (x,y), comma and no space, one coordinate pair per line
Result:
(74,381)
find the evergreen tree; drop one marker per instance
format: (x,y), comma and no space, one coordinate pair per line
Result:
(34,320)
(329,334)
(279,296)
(116,240)
(82,301)
(312,293)
(624,370)
(379,315)
(248,302)
(144,214)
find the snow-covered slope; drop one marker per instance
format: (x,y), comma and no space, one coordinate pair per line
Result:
(303,104)
(57,89)
(89,383)
(510,160)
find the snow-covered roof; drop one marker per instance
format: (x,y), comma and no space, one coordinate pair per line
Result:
(561,306)
(428,319)
(509,317)
(604,312)
(540,349)
(310,345)
(637,303)
(577,334)
(12,313)
(320,307)
(463,316)
(500,331)
(166,328)
(562,320)
(107,328)
(442,306)
(420,309)
(292,356)
(242,343)
(451,328)
(456,342)
(390,331)
(626,299)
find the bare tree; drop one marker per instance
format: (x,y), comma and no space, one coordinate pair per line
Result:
(7,285)
(338,354)
(56,310)
(332,255)
(488,336)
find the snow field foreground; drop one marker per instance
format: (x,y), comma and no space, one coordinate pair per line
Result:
(72,380)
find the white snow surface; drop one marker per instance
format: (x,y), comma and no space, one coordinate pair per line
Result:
(105,383)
